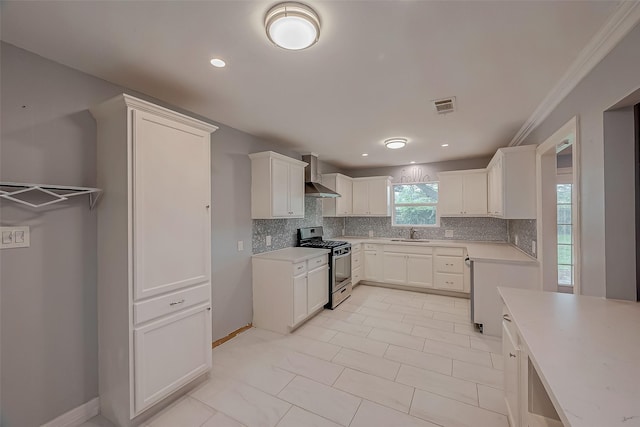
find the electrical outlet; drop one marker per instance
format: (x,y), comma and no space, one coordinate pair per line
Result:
(268,241)
(533,247)
(448,233)
(516,239)
(240,245)
(343,231)
(14,237)
(370,233)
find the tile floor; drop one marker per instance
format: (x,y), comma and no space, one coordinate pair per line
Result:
(384,358)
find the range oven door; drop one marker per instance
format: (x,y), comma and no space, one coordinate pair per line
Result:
(341,268)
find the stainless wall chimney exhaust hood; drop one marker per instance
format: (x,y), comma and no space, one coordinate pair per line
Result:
(312,188)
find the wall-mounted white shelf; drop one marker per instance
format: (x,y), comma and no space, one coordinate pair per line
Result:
(39,195)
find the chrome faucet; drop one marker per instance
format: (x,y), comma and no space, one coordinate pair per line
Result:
(412,233)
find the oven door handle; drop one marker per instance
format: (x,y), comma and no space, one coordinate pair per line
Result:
(342,256)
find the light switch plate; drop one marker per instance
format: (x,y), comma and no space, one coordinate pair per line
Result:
(370,233)
(268,241)
(240,245)
(14,237)
(533,247)
(448,233)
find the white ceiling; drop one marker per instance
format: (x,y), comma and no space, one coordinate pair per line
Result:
(371,76)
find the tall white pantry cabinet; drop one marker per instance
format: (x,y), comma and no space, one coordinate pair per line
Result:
(154,263)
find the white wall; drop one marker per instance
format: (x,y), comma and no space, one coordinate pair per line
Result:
(610,81)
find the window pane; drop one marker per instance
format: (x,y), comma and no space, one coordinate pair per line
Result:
(564,254)
(565,275)
(564,193)
(415,215)
(564,214)
(416,193)
(564,234)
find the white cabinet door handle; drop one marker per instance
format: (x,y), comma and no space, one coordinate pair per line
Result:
(512,355)
(177,302)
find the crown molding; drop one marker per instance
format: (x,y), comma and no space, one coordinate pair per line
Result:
(617,26)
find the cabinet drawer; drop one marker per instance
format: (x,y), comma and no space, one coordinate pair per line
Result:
(355,247)
(450,251)
(449,264)
(370,247)
(356,275)
(175,301)
(317,262)
(356,260)
(507,321)
(454,282)
(299,268)
(409,249)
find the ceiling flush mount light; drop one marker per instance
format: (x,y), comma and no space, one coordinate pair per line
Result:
(412,162)
(364,154)
(395,143)
(292,26)
(218,63)
(444,145)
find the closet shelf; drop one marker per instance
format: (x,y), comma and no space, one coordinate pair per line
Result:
(39,195)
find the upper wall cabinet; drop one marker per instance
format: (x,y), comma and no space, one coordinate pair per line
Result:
(277,186)
(338,206)
(463,193)
(512,183)
(371,196)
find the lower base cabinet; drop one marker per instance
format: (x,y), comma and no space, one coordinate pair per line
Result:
(285,294)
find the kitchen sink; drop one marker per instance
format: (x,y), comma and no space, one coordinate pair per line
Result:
(410,240)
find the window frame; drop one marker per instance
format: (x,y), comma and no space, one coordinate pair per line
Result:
(394,204)
(564,178)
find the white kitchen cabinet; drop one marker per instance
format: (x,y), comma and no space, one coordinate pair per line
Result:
(463,193)
(512,183)
(154,240)
(338,206)
(372,262)
(420,270)
(450,271)
(371,196)
(394,268)
(277,186)
(287,291)
(356,263)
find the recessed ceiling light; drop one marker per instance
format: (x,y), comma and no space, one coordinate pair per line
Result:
(364,154)
(218,63)
(292,26)
(395,143)
(444,145)
(412,161)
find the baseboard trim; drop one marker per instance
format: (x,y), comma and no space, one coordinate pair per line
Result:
(231,335)
(76,416)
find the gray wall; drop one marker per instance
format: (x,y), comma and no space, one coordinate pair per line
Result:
(48,305)
(613,79)
(420,172)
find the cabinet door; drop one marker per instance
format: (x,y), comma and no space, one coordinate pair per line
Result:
(420,270)
(171,197)
(394,268)
(379,197)
(371,266)
(317,288)
(344,204)
(511,355)
(169,353)
(360,198)
(299,299)
(280,188)
(356,275)
(296,190)
(495,189)
(475,193)
(450,195)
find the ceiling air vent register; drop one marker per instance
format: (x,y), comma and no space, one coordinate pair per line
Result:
(445,105)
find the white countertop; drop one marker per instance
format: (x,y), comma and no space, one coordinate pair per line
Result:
(477,251)
(586,351)
(294,254)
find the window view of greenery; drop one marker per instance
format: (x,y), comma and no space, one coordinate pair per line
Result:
(565,238)
(415,204)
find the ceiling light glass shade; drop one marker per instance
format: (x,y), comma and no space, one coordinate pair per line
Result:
(292,26)
(395,143)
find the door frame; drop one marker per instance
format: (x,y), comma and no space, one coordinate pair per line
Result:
(546,211)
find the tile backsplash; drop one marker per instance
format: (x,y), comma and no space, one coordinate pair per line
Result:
(284,232)
(479,229)
(526,230)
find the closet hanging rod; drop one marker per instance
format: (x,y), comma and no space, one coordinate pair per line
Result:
(56,193)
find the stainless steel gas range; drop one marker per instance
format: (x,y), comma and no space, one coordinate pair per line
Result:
(339,263)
